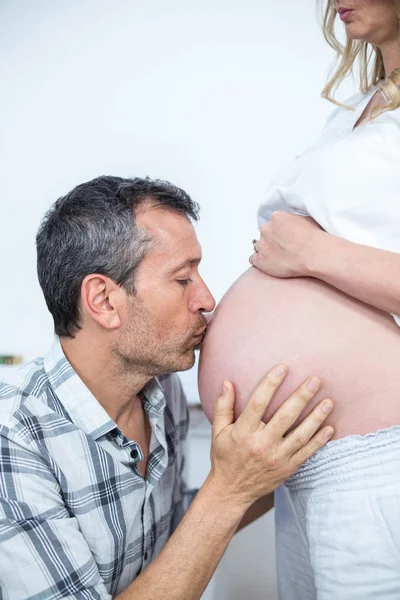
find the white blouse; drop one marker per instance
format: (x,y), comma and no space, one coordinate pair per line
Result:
(348,180)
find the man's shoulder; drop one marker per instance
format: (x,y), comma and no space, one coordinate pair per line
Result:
(24,390)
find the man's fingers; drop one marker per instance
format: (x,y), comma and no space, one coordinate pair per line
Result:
(316,443)
(254,410)
(299,437)
(291,409)
(224,408)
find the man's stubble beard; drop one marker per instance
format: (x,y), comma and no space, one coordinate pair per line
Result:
(138,351)
(156,365)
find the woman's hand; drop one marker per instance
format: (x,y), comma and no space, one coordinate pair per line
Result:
(286,245)
(294,246)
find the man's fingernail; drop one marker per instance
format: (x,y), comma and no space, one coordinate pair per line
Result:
(314,384)
(280,370)
(223,389)
(327,407)
(328,432)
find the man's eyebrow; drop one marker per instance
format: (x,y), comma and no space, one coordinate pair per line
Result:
(192,262)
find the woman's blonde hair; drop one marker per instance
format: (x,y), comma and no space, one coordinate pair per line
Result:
(371,69)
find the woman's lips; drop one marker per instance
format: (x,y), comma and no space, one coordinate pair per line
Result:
(345,14)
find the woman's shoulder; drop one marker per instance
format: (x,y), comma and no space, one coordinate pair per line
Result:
(347,106)
(393,116)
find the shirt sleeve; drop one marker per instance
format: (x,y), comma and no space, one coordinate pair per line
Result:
(42,552)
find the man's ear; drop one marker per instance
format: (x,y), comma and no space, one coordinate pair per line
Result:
(101,299)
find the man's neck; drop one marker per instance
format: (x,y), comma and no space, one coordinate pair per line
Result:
(114,386)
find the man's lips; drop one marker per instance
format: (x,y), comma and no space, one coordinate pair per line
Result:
(201,332)
(199,337)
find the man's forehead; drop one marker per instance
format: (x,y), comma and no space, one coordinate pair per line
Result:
(165,225)
(173,234)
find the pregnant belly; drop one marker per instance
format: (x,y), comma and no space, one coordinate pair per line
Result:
(314,330)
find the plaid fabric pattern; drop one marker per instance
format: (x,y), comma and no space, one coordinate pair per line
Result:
(77,520)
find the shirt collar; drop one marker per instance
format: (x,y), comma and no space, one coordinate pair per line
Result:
(83,408)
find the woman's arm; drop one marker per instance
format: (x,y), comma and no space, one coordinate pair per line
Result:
(294,246)
(366,273)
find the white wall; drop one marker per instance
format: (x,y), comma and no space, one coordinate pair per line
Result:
(214,95)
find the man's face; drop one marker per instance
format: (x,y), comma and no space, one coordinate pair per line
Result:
(164,319)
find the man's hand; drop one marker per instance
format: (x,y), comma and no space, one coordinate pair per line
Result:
(285,245)
(249,458)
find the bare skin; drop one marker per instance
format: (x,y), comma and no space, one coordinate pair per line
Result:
(375,22)
(125,340)
(263,318)
(254,468)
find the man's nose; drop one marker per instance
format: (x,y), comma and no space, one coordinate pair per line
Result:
(204,300)
(209,305)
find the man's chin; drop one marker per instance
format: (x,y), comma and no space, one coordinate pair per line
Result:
(182,362)
(187,361)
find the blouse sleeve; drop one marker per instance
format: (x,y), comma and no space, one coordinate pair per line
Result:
(361,200)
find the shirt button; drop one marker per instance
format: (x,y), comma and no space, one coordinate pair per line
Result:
(134,453)
(114,433)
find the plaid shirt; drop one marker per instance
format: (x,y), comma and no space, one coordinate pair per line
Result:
(77,520)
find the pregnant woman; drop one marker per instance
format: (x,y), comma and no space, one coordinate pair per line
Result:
(331,284)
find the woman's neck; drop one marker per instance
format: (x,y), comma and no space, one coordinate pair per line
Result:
(391,56)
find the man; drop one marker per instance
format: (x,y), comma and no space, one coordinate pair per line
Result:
(92,495)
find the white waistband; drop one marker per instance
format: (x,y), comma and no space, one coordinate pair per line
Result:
(352,463)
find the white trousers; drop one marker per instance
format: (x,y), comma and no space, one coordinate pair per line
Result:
(338,522)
